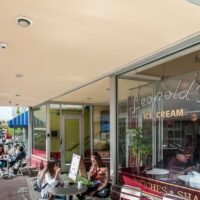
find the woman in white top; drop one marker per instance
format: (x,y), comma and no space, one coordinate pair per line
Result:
(50,177)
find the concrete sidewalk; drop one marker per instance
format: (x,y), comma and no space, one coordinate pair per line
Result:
(15,188)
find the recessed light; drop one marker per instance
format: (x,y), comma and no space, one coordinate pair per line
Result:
(19,75)
(10,101)
(3,45)
(17,95)
(23,21)
(89,98)
(197,2)
(16,104)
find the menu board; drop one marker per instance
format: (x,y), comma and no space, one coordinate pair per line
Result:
(73,171)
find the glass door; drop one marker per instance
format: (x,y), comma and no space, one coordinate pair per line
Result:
(71,139)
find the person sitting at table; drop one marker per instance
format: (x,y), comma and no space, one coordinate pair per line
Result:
(99,176)
(3,163)
(19,157)
(179,165)
(50,178)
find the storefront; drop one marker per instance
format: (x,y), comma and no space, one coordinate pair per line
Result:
(59,130)
(158,127)
(145,122)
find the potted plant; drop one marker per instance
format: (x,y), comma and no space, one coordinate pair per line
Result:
(138,145)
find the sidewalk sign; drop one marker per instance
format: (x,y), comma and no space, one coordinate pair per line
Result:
(77,166)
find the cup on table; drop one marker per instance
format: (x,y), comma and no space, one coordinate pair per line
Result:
(80,183)
(66,184)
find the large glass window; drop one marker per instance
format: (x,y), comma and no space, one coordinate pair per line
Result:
(86,111)
(159,126)
(39,131)
(101,130)
(55,130)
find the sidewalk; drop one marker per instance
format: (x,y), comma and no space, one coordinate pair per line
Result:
(14,189)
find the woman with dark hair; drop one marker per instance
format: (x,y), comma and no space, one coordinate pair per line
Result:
(50,177)
(2,153)
(99,176)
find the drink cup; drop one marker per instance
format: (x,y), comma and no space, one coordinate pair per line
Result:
(66,184)
(80,183)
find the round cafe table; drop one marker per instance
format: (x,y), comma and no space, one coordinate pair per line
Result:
(68,190)
(191,180)
(158,173)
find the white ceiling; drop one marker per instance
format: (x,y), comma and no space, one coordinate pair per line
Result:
(74,42)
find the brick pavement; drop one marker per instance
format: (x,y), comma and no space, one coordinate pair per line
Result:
(14,189)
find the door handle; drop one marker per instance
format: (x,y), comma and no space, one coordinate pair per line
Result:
(61,141)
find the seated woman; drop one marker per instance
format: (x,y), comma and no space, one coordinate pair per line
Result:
(99,175)
(3,162)
(50,178)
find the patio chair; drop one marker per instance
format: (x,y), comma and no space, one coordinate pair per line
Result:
(173,197)
(25,167)
(130,193)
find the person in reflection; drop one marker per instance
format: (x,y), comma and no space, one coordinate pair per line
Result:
(99,176)
(179,165)
(188,143)
(190,151)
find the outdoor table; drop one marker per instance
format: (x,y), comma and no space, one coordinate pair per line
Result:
(68,190)
(190,180)
(158,173)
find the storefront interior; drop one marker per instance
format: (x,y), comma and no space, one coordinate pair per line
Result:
(163,102)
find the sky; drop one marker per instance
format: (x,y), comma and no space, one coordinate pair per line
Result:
(5,113)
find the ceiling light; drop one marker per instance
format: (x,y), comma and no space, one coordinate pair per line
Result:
(19,75)
(3,45)
(10,101)
(89,98)
(23,21)
(17,95)
(197,2)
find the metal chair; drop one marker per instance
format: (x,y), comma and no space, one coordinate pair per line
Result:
(173,197)
(25,167)
(130,193)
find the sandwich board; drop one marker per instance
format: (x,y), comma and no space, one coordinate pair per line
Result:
(77,167)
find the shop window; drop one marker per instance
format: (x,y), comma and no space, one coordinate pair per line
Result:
(39,131)
(101,133)
(55,130)
(167,112)
(87,132)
